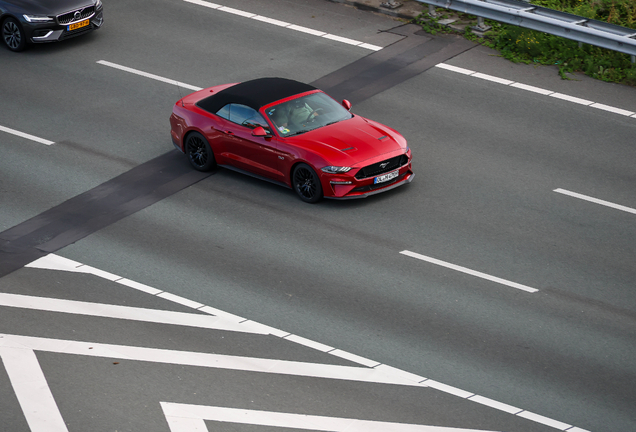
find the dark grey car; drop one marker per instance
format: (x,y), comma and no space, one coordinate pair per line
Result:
(23,22)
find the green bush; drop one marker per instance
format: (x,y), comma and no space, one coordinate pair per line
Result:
(529,46)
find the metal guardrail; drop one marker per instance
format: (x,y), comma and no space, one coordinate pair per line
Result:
(522,14)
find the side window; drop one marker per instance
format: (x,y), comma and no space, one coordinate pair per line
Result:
(254,121)
(224,112)
(243,115)
(240,113)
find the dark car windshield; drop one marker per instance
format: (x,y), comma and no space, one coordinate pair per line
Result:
(306,113)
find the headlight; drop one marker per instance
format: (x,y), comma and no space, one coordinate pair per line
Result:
(98,4)
(335,169)
(37,18)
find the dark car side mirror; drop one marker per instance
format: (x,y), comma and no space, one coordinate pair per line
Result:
(346,104)
(259,131)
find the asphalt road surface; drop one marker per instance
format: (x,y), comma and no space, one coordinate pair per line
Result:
(496,292)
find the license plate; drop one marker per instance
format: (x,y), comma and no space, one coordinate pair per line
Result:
(385,177)
(77,25)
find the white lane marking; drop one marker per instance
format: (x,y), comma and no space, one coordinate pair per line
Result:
(492,78)
(544,420)
(123,312)
(469,271)
(307,30)
(494,404)
(32,390)
(185,417)
(596,200)
(26,135)
(539,90)
(54,262)
(285,24)
(612,109)
(448,389)
(308,343)
(148,75)
(214,361)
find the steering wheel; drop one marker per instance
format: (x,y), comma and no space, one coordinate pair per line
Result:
(312,116)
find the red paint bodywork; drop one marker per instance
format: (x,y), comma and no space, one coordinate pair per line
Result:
(356,142)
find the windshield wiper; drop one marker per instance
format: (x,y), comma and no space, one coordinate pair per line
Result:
(300,132)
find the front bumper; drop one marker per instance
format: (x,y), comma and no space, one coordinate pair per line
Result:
(349,187)
(53,32)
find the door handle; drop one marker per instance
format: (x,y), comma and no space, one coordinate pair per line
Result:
(226,132)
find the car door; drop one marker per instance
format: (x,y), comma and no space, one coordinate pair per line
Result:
(257,155)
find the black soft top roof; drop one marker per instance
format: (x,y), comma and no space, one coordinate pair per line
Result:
(255,93)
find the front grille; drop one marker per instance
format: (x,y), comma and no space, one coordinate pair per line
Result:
(380,167)
(69,17)
(373,187)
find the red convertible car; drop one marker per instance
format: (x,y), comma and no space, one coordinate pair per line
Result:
(293,134)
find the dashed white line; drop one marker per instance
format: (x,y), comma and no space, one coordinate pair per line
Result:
(596,200)
(26,135)
(534,89)
(148,75)
(284,24)
(469,271)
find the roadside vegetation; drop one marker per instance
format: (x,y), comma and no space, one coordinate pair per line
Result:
(528,46)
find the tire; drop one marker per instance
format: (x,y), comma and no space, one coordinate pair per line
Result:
(306,183)
(199,152)
(12,35)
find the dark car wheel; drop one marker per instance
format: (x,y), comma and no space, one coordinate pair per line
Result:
(306,183)
(199,152)
(12,35)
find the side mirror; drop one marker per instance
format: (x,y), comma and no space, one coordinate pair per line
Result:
(346,104)
(259,131)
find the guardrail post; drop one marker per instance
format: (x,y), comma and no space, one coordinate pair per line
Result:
(633,59)
(481,25)
(431,11)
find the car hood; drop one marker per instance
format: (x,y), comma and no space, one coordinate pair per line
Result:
(351,142)
(50,7)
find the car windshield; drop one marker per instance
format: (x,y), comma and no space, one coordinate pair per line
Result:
(306,113)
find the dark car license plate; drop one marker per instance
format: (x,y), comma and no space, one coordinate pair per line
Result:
(386,177)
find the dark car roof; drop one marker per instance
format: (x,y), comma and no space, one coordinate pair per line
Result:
(255,93)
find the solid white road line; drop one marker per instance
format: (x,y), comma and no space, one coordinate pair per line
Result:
(284,24)
(26,135)
(32,390)
(189,418)
(215,361)
(148,75)
(469,271)
(596,200)
(539,90)
(124,312)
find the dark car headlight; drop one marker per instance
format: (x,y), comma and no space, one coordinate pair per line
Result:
(98,4)
(37,18)
(335,169)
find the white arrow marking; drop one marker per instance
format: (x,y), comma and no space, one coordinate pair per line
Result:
(219,361)
(125,312)
(188,418)
(32,390)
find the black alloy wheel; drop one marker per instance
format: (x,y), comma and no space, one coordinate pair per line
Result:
(306,183)
(199,152)
(12,35)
